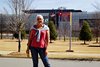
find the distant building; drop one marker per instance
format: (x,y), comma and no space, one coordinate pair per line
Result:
(61,18)
(53,14)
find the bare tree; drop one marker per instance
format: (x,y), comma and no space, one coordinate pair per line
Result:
(64,25)
(2,24)
(17,20)
(96,29)
(64,29)
(96,5)
(97,21)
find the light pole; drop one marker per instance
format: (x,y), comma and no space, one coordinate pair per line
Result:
(70,35)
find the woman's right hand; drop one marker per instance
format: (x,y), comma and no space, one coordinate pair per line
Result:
(27,52)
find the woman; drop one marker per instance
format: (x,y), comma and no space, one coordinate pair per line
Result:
(38,42)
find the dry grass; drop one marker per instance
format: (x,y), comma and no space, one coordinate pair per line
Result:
(57,49)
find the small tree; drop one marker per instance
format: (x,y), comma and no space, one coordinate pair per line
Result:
(53,32)
(85,33)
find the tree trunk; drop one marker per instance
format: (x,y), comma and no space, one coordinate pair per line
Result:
(84,42)
(19,41)
(50,41)
(96,39)
(1,34)
(59,37)
(1,25)
(64,38)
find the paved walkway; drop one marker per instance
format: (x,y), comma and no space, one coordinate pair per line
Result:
(5,52)
(18,62)
(63,53)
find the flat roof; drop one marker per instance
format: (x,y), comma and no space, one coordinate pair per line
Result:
(49,11)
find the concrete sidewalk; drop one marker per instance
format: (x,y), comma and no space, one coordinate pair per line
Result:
(55,55)
(5,52)
(20,62)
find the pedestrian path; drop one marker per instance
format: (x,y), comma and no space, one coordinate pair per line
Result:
(55,55)
(5,52)
(20,62)
(79,54)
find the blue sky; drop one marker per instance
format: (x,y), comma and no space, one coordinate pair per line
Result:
(84,5)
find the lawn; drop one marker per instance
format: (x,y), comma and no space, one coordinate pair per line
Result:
(57,49)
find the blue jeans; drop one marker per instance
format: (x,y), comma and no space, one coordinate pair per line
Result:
(44,58)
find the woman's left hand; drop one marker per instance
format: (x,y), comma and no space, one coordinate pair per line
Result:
(46,52)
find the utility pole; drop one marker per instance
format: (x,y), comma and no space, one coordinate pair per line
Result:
(70,35)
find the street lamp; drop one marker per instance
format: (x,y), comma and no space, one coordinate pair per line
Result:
(70,35)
